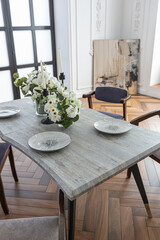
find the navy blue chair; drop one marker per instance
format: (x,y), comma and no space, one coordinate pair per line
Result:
(6,150)
(111,95)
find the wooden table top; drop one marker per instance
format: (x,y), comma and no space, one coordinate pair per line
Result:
(91,158)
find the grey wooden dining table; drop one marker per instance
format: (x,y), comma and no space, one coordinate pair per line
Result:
(91,158)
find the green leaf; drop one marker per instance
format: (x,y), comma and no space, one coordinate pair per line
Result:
(60,96)
(32,86)
(24,79)
(17,82)
(28,95)
(66,123)
(76,118)
(37,90)
(15,75)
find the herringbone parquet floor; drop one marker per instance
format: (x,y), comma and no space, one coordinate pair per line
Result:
(113,210)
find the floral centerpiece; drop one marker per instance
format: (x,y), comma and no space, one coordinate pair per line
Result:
(33,84)
(61,106)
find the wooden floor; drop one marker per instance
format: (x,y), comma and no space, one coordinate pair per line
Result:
(113,210)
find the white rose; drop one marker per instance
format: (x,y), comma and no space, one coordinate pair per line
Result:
(72,111)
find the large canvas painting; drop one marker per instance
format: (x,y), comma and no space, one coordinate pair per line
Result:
(116,63)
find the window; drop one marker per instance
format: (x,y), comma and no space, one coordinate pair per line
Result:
(26,37)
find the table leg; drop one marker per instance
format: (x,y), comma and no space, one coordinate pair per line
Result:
(62,226)
(71,219)
(139,182)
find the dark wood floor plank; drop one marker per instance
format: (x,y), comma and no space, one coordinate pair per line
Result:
(29,194)
(52,187)
(81,202)
(141,231)
(101,225)
(41,203)
(33,211)
(25,187)
(90,211)
(153,222)
(45,179)
(154,233)
(127,223)
(152,174)
(114,219)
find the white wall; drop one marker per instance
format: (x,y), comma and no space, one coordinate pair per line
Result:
(139,22)
(114,19)
(61,18)
(111,19)
(155,74)
(87,22)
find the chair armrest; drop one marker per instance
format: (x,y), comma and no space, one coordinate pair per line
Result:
(87,95)
(137,120)
(124,100)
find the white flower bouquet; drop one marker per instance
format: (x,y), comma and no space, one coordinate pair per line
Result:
(33,84)
(61,106)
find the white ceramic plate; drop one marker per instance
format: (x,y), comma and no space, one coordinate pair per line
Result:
(112,126)
(6,112)
(49,141)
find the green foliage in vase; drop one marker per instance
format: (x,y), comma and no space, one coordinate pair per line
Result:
(61,106)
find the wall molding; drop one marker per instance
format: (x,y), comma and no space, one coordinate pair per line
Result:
(98,15)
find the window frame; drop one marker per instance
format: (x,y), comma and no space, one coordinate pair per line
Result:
(8,29)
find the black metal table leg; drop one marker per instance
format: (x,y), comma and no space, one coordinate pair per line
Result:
(62,226)
(71,219)
(139,182)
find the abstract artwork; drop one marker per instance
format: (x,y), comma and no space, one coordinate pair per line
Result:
(116,63)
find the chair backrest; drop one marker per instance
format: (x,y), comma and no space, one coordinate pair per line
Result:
(110,94)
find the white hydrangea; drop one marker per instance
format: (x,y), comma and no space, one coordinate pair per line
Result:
(72,111)
(53,82)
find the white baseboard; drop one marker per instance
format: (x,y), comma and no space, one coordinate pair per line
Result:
(151,91)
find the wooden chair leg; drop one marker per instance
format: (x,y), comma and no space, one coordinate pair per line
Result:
(129,172)
(3,198)
(11,160)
